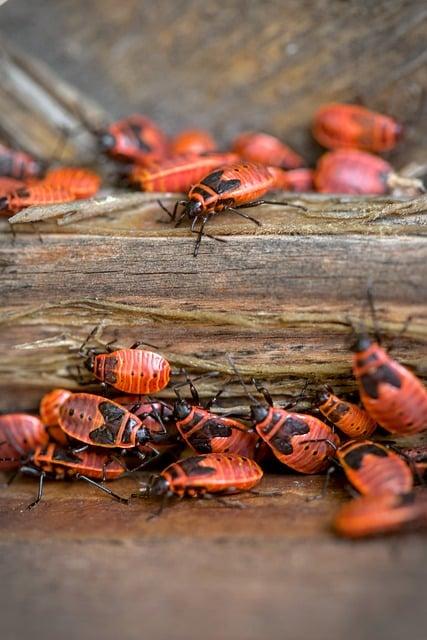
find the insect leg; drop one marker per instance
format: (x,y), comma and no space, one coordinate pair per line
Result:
(163,503)
(200,235)
(78,476)
(244,215)
(41,476)
(282,203)
(328,475)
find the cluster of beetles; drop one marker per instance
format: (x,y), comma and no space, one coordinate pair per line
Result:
(214,181)
(98,438)
(95,438)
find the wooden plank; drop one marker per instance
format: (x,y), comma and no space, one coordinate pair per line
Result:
(45,115)
(79,562)
(277,302)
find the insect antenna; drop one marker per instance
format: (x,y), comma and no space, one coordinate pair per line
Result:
(242,382)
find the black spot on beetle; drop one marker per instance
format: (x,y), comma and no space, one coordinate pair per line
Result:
(102,435)
(339,410)
(202,192)
(192,467)
(113,416)
(202,438)
(292,426)
(130,425)
(354,458)
(66,455)
(362,362)
(213,180)
(384,374)
(138,132)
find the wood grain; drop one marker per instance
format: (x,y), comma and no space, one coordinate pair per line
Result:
(281,304)
(79,562)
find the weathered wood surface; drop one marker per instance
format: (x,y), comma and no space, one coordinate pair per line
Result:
(81,566)
(41,113)
(280,304)
(235,65)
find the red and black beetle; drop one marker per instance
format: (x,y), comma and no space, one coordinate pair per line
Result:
(135,138)
(379,514)
(374,469)
(56,462)
(348,417)
(132,370)
(202,475)
(34,194)
(392,395)
(177,173)
(97,421)
(207,432)
(19,165)
(350,125)
(20,434)
(229,188)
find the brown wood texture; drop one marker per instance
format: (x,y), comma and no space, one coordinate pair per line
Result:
(235,65)
(81,566)
(280,304)
(42,114)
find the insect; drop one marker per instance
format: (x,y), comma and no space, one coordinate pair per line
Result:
(19,165)
(97,421)
(348,417)
(9,185)
(156,417)
(20,434)
(206,432)
(392,395)
(177,173)
(267,150)
(349,125)
(132,370)
(82,183)
(373,468)
(37,194)
(358,172)
(300,441)
(49,413)
(297,180)
(57,463)
(229,188)
(133,139)
(379,514)
(195,141)
(203,475)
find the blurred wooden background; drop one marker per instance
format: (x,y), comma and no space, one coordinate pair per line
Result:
(229,66)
